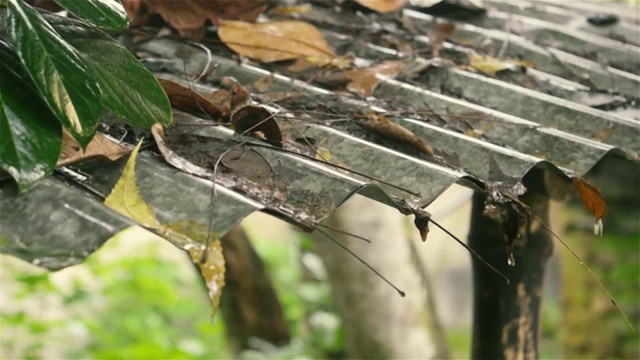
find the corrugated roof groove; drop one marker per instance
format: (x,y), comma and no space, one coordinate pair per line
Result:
(569,18)
(485,130)
(549,59)
(47,225)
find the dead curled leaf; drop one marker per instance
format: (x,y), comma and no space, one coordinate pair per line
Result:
(438,34)
(384,128)
(183,98)
(364,81)
(603,134)
(258,122)
(99,147)
(157,130)
(591,198)
(383,6)
(189,17)
(276,41)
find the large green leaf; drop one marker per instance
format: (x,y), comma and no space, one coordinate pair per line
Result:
(106,14)
(30,136)
(129,90)
(57,70)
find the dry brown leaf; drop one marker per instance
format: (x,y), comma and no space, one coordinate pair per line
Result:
(383,6)
(264,83)
(603,134)
(490,65)
(258,122)
(276,41)
(364,81)
(183,98)
(438,35)
(99,147)
(591,198)
(189,16)
(382,127)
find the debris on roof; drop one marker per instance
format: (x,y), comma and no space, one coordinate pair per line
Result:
(380,109)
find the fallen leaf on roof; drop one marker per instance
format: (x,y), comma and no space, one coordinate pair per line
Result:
(490,66)
(99,147)
(603,134)
(453,9)
(384,128)
(264,83)
(437,36)
(189,16)
(364,81)
(323,154)
(230,97)
(183,98)
(157,130)
(276,41)
(205,251)
(258,122)
(292,10)
(125,197)
(383,6)
(203,247)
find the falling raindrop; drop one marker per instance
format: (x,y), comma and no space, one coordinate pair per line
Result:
(598,228)
(511,261)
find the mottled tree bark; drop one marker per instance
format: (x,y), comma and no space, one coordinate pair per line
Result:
(378,322)
(507,316)
(249,304)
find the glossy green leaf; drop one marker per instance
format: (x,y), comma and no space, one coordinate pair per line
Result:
(106,14)
(57,71)
(30,136)
(129,90)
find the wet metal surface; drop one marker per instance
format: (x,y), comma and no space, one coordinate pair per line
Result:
(576,106)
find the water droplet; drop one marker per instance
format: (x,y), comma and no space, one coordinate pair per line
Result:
(598,227)
(213,319)
(511,261)
(416,198)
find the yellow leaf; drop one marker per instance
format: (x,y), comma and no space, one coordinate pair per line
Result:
(189,236)
(490,65)
(276,41)
(192,237)
(125,197)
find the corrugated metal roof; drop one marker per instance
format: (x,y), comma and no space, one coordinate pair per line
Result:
(485,130)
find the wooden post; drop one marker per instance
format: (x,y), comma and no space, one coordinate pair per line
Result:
(506,321)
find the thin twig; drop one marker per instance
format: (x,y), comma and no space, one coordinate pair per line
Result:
(400,292)
(344,232)
(471,251)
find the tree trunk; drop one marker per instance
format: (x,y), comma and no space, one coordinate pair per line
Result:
(249,304)
(507,316)
(378,322)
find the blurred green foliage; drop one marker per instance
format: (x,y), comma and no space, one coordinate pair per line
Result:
(145,305)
